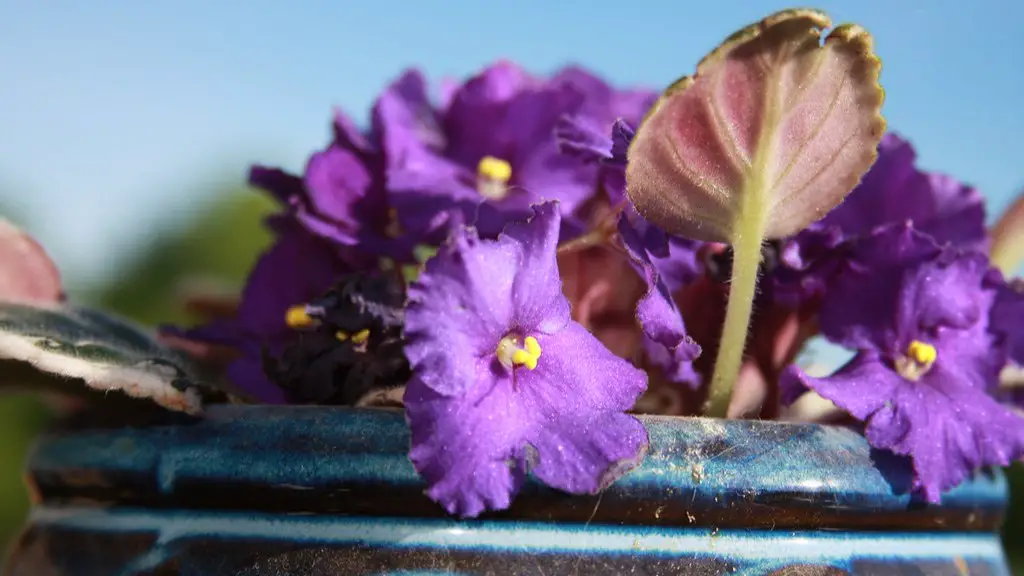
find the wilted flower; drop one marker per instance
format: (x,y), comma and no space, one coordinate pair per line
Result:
(504,382)
(296,269)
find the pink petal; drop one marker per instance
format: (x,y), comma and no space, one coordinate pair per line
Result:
(774,120)
(27,274)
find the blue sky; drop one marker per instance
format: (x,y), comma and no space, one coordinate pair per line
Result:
(116,116)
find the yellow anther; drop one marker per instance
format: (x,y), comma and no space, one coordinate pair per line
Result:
(296,317)
(922,353)
(510,354)
(361,336)
(918,360)
(494,169)
(492,176)
(341,335)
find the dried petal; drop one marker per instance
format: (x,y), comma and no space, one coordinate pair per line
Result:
(1008,238)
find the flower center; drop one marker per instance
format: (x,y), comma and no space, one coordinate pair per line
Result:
(511,354)
(917,361)
(299,317)
(492,176)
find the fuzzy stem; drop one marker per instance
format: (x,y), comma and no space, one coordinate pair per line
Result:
(743,287)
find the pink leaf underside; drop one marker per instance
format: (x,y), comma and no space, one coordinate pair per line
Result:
(773,119)
(1008,238)
(27,274)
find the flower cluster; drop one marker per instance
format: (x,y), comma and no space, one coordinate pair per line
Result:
(475,259)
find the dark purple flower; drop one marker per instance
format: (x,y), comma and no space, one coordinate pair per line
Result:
(927,364)
(490,153)
(296,269)
(504,382)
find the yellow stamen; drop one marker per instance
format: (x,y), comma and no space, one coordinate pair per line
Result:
(922,353)
(918,360)
(341,335)
(493,175)
(510,354)
(361,336)
(296,317)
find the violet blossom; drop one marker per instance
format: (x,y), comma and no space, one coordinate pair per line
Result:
(491,151)
(927,365)
(504,382)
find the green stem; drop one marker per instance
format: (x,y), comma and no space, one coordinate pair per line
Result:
(745,265)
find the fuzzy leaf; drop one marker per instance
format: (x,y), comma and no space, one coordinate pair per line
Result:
(57,347)
(774,122)
(27,274)
(1008,238)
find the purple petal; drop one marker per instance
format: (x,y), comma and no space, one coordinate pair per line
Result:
(860,308)
(469,448)
(459,309)
(537,296)
(575,401)
(336,181)
(247,374)
(280,184)
(406,121)
(582,137)
(894,190)
(668,346)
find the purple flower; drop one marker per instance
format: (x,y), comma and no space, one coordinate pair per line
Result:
(490,153)
(927,364)
(296,269)
(604,103)
(893,191)
(504,382)
(342,198)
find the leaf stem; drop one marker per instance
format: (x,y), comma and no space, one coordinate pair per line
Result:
(742,289)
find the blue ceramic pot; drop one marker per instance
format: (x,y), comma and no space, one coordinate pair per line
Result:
(328,491)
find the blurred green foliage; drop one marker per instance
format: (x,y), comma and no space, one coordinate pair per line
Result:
(220,244)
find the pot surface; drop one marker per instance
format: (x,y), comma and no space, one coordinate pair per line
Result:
(309,490)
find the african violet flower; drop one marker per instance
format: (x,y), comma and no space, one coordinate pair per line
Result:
(504,382)
(491,151)
(927,363)
(342,197)
(298,267)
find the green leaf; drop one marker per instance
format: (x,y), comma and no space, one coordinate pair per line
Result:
(61,347)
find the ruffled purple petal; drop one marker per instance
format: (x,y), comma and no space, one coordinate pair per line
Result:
(336,182)
(576,401)
(247,374)
(406,121)
(894,191)
(666,342)
(459,309)
(469,448)
(537,298)
(861,307)
(583,138)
